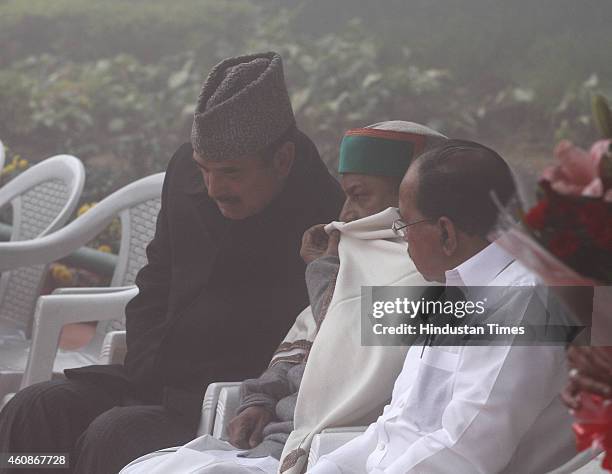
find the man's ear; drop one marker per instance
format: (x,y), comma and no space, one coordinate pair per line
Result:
(448,236)
(284,158)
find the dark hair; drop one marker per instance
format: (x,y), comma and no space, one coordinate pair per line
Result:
(289,135)
(456,180)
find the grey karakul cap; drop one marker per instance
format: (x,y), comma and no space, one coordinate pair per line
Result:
(243,107)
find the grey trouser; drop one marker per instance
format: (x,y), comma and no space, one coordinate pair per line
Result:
(100,429)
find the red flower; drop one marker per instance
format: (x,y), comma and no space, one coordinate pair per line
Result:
(564,244)
(536,217)
(593,426)
(597,220)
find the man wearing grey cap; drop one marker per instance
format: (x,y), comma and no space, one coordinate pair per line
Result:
(223,283)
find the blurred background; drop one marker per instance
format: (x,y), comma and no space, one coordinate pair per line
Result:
(115,82)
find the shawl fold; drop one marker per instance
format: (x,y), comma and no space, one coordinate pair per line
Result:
(345,383)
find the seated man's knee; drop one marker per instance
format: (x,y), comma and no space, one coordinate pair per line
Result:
(105,430)
(41,398)
(117,437)
(33,418)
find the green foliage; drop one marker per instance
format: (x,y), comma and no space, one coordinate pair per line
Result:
(15,110)
(602,115)
(132,111)
(544,45)
(573,118)
(115,82)
(83,30)
(347,78)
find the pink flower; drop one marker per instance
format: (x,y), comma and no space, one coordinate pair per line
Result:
(577,172)
(599,149)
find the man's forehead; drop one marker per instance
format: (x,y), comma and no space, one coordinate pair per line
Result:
(234,163)
(407,192)
(410,180)
(355,180)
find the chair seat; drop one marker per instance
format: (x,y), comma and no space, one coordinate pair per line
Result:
(14,357)
(13,353)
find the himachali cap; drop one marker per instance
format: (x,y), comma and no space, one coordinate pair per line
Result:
(385,148)
(243,107)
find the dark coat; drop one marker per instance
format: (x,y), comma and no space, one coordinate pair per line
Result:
(217,296)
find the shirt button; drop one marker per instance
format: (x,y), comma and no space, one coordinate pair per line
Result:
(402,404)
(381,446)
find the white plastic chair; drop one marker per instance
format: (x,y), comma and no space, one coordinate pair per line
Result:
(137,205)
(219,406)
(42,198)
(2,156)
(331,439)
(220,400)
(585,462)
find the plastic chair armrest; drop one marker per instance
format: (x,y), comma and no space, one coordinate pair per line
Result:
(55,311)
(209,406)
(95,290)
(114,348)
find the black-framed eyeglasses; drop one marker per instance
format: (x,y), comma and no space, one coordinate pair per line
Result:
(399,226)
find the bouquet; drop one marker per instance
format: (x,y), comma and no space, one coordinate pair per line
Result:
(566,237)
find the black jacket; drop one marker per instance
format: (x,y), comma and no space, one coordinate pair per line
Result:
(217,296)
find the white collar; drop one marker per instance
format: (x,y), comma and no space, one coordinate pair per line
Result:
(480,269)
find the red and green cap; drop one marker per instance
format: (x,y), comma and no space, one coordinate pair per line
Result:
(383,152)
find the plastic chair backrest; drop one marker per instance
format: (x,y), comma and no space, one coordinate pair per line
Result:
(137,205)
(137,230)
(43,198)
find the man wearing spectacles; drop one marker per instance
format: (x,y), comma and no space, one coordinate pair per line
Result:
(463,409)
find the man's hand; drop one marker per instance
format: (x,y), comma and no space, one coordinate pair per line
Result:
(246,430)
(317,243)
(591,371)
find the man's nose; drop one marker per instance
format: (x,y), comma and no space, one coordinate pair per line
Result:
(214,185)
(348,214)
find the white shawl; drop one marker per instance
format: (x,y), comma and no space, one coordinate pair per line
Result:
(345,383)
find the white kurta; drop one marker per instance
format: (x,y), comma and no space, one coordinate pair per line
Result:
(203,455)
(469,409)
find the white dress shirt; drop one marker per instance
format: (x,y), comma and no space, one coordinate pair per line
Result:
(469,410)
